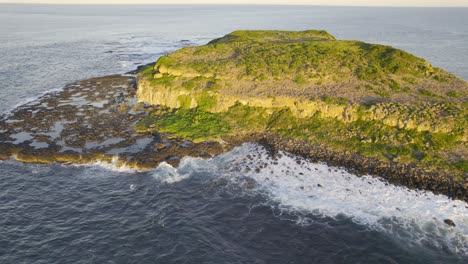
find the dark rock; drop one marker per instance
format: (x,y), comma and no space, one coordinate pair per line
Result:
(140,68)
(120,98)
(160,146)
(449,222)
(204,154)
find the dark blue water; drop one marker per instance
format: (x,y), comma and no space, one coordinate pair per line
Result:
(200,213)
(215,210)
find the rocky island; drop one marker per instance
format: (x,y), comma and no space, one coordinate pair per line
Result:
(372,109)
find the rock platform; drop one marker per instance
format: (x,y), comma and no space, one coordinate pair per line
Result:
(88,121)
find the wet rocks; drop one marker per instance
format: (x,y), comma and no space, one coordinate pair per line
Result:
(449,222)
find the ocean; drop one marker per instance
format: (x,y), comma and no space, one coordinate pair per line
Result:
(208,210)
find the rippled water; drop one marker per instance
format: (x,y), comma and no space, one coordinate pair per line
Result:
(240,207)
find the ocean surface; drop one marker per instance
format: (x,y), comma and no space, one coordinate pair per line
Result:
(216,210)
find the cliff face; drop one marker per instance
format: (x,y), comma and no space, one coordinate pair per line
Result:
(371,99)
(432,117)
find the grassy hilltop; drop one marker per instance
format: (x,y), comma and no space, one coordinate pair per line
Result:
(370,99)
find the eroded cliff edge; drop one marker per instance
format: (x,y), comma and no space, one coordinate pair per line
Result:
(371,108)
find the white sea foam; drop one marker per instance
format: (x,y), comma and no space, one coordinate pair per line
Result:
(298,186)
(168,174)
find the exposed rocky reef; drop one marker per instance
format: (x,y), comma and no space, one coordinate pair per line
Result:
(91,121)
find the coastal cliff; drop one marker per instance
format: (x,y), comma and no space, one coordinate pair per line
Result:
(370,103)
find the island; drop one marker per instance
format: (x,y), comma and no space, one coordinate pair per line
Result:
(369,108)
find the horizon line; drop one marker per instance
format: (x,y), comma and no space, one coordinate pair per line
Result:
(239,4)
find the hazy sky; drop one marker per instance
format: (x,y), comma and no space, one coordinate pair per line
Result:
(303,2)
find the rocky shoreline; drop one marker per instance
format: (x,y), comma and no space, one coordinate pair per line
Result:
(408,175)
(93,121)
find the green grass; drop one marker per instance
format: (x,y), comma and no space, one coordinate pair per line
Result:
(277,36)
(453,94)
(426,93)
(246,118)
(206,101)
(148,72)
(460,165)
(185,101)
(164,81)
(191,124)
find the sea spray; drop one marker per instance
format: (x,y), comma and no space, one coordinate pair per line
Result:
(115,164)
(299,187)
